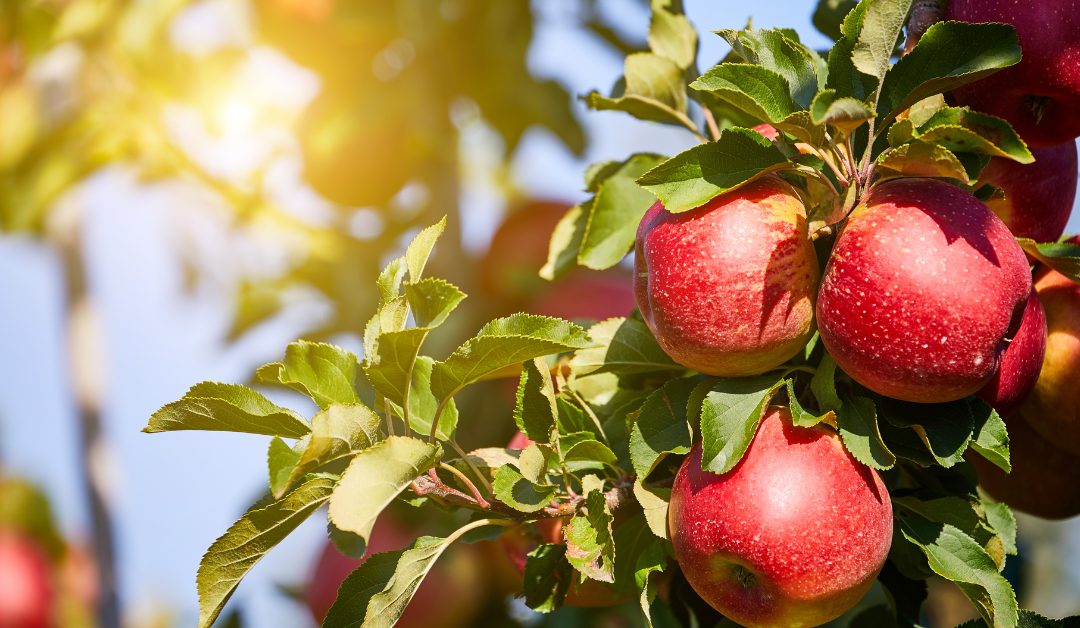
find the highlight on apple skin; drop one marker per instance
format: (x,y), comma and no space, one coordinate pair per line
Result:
(1038,196)
(923,291)
(728,288)
(793,536)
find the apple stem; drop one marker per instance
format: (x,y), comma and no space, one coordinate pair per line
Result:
(467,482)
(389,416)
(839,176)
(472,466)
(710,120)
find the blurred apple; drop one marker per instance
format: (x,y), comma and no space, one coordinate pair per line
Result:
(27,590)
(587,297)
(510,269)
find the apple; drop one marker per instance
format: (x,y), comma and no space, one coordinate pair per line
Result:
(1040,96)
(26,583)
(1021,362)
(1038,196)
(1053,409)
(594,297)
(728,288)
(923,291)
(793,536)
(510,268)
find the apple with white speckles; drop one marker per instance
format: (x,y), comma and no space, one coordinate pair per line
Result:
(728,288)
(1038,196)
(924,290)
(792,537)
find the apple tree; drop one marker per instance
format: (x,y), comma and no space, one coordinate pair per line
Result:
(827,380)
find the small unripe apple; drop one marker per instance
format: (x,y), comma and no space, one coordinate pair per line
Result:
(923,291)
(1021,362)
(1040,96)
(1053,408)
(728,288)
(1038,196)
(793,536)
(26,583)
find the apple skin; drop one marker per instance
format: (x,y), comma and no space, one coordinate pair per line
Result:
(1038,196)
(812,525)
(1021,362)
(728,288)
(27,590)
(1053,408)
(924,286)
(1045,480)
(1049,34)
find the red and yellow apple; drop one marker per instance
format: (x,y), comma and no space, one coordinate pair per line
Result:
(1021,362)
(923,291)
(793,536)
(1038,196)
(27,591)
(728,288)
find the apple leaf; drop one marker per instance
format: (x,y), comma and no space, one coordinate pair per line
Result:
(423,405)
(857,422)
(281,460)
(566,241)
(632,539)
(990,438)
(730,415)
(234,553)
(962,130)
(535,411)
(416,256)
(671,34)
(385,607)
(356,591)
(1000,518)
(488,460)
(944,428)
(534,462)
(957,557)
(501,343)
(653,88)
(881,26)
(823,385)
(800,416)
(347,543)
(654,501)
(844,113)
(879,616)
(581,450)
(375,477)
(694,177)
(1029,619)
(590,547)
(627,347)
(337,432)
(773,50)
(759,91)
(326,373)
(227,408)
(661,427)
(615,214)
(512,489)
(919,159)
(843,77)
(652,560)
(547,578)
(964,513)
(948,55)
(829,15)
(1060,256)
(907,595)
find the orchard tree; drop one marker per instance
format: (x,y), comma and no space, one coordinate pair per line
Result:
(831,321)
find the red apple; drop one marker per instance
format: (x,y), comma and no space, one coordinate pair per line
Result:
(596,297)
(728,288)
(520,441)
(1038,196)
(767,130)
(923,290)
(26,585)
(511,267)
(794,535)
(1045,480)
(1040,96)
(1021,362)
(1053,409)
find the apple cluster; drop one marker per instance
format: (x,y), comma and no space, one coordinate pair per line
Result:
(926,297)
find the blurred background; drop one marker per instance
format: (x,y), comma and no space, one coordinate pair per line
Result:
(186,187)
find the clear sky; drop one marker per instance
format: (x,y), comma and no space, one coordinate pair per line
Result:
(176,493)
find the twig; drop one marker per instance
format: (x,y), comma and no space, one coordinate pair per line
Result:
(465,480)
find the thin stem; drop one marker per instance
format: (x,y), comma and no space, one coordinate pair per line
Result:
(438,413)
(839,176)
(565,474)
(389,416)
(710,120)
(844,160)
(479,523)
(467,482)
(850,142)
(805,369)
(820,176)
(473,467)
(592,415)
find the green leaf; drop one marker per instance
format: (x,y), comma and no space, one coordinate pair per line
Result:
(990,438)
(534,462)
(431,301)
(823,385)
(652,560)
(632,538)
(1060,256)
(488,460)
(627,347)
(547,578)
(347,543)
(423,404)
(944,428)
(771,49)
(962,130)
(1001,519)
(671,35)
(535,411)
(234,553)
(654,501)
(356,591)
(948,55)
(729,418)
(919,159)
(616,212)
(282,459)
(829,14)
(326,373)
(416,256)
(375,477)
(843,77)
(858,425)
(599,172)
(227,408)
(759,91)
(881,25)
(957,557)
(512,489)
(566,241)
(590,547)
(337,432)
(654,89)
(583,447)
(694,177)
(844,113)
(1028,619)
(799,415)
(501,343)
(385,607)
(661,427)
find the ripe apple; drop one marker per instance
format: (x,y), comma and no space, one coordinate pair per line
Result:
(1053,409)
(595,297)
(26,583)
(1040,96)
(793,536)
(1021,362)
(923,290)
(1038,196)
(510,268)
(728,288)
(1045,479)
